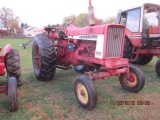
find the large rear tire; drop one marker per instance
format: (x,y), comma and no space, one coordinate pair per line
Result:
(142,60)
(85,92)
(13,66)
(136,81)
(127,49)
(12,94)
(43,58)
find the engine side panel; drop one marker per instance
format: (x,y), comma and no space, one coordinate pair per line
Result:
(99,46)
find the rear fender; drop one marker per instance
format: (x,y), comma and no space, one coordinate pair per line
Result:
(134,38)
(7,49)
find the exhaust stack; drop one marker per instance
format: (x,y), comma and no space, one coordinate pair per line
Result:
(159,18)
(91,14)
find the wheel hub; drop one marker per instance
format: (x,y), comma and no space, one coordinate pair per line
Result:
(132,81)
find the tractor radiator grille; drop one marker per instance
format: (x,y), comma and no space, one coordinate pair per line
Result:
(114,42)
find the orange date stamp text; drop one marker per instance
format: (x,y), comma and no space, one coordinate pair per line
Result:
(138,102)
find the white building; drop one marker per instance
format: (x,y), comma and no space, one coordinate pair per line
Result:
(32,31)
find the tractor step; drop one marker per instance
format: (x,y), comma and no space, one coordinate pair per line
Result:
(134,54)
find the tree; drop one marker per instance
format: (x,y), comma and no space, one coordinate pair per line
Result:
(26,25)
(82,20)
(110,20)
(8,19)
(69,19)
(98,21)
(6,15)
(22,25)
(13,25)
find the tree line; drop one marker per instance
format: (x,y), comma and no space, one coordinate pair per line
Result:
(82,20)
(10,21)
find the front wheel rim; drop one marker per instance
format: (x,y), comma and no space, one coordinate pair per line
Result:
(82,93)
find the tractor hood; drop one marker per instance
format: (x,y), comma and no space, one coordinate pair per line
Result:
(99,29)
(154,32)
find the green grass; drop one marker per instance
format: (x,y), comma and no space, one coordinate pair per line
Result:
(55,99)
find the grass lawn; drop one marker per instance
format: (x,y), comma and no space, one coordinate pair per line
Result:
(55,99)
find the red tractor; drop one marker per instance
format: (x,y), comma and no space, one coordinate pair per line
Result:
(142,34)
(99,47)
(3,32)
(11,63)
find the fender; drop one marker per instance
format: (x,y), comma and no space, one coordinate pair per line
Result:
(7,49)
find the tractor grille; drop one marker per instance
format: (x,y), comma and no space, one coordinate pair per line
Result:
(114,42)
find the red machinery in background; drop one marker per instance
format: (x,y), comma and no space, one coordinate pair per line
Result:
(142,33)
(3,32)
(11,63)
(100,47)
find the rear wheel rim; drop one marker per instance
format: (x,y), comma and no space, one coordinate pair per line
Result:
(132,81)
(37,60)
(82,93)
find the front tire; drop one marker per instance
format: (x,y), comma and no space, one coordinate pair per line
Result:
(85,92)
(13,66)
(135,82)
(12,94)
(43,58)
(157,67)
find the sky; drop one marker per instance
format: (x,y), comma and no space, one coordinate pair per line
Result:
(39,13)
